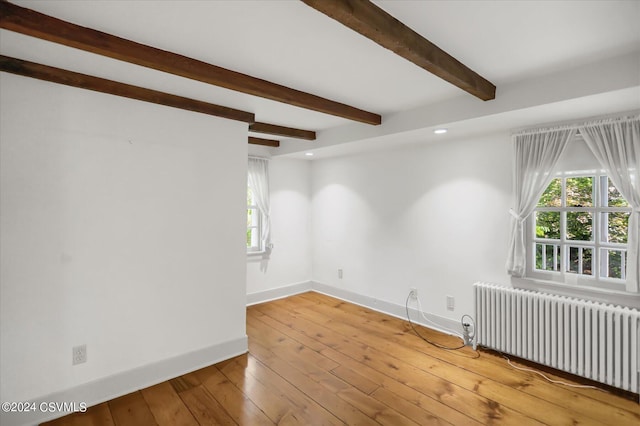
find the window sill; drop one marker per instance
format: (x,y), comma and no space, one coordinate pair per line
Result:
(259,256)
(615,297)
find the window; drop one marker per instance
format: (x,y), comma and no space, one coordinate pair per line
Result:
(258,220)
(583,232)
(579,230)
(254,222)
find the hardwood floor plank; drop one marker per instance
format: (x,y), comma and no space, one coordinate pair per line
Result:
(98,415)
(505,396)
(184,382)
(412,411)
(237,404)
(166,406)
(313,337)
(420,403)
(306,407)
(385,361)
(496,369)
(309,359)
(314,359)
(278,399)
(355,379)
(205,408)
(326,397)
(274,405)
(378,411)
(131,410)
(286,350)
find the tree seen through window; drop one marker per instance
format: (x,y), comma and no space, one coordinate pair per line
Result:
(581,227)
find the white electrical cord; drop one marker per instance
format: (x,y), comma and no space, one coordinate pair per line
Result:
(453,332)
(558,382)
(471,336)
(437,345)
(465,327)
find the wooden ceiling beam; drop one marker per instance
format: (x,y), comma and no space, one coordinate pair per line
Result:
(83,81)
(36,24)
(374,23)
(265,142)
(273,129)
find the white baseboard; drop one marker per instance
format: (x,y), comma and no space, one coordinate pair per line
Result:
(278,293)
(119,384)
(444,325)
(111,387)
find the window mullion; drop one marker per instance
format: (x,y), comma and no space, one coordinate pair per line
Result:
(599,224)
(564,257)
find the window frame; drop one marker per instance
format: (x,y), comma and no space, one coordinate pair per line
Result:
(598,212)
(255,225)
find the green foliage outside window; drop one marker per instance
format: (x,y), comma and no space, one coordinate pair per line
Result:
(579,201)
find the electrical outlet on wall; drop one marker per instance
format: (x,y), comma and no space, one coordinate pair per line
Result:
(451,303)
(413,292)
(340,273)
(79,354)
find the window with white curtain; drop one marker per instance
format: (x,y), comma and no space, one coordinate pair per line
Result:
(254,222)
(258,210)
(576,217)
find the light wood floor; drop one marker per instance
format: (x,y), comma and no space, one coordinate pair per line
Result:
(315,360)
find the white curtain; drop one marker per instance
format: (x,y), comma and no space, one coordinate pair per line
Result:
(616,145)
(536,155)
(258,178)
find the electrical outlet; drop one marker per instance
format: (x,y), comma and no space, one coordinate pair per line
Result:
(340,273)
(451,303)
(413,292)
(79,354)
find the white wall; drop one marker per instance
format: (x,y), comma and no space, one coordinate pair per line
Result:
(432,217)
(121,228)
(290,261)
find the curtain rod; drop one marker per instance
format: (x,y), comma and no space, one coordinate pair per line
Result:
(255,157)
(618,118)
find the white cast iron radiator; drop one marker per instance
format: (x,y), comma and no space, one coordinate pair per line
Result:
(592,340)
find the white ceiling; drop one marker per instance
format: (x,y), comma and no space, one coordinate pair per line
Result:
(550,60)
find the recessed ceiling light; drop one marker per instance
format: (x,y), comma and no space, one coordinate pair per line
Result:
(440,131)
(309,154)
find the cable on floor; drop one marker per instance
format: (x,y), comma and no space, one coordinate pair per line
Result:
(437,345)
(557,382)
